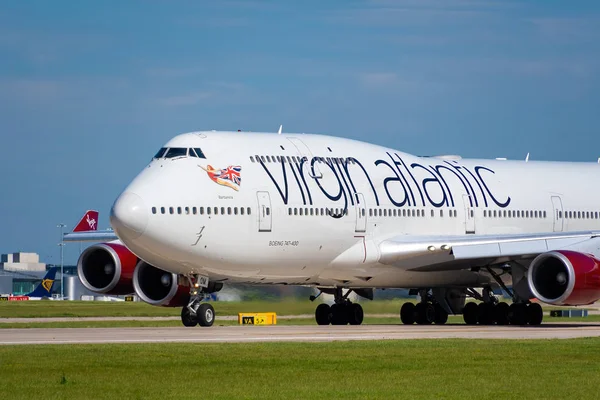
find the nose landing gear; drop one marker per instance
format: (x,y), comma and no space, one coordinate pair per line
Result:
(195,312)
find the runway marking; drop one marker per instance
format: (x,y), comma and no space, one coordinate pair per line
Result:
(289,333)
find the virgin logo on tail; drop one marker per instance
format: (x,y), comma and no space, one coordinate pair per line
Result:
(89,222)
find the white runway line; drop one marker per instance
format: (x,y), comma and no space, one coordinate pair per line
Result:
(288,333)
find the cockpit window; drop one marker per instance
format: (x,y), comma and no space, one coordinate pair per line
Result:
(192,153)
(176,152)
(161,153)
(199,152)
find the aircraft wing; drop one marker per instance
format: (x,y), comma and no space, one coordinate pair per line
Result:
(90,236)
(439,253)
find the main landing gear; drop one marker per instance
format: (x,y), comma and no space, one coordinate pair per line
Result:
(342,312)
(427,312)
(195,312)
(490,311)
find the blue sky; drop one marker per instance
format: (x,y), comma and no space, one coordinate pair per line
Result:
(90,90)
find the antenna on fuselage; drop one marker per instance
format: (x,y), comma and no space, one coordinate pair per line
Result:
(527,158)
(280,129)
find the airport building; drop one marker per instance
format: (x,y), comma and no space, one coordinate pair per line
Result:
(21,272)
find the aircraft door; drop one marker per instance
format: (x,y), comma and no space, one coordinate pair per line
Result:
(469,215)
(361,213)
(264,211)
(305,152)
(557,210)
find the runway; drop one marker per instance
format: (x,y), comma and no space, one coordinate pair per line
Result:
(288,333)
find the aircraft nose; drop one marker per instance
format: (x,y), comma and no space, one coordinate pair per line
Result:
(129,216)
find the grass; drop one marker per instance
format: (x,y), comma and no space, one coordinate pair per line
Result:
(410,369)
(39,309)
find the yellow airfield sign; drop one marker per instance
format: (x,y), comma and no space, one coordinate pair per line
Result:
(269,318)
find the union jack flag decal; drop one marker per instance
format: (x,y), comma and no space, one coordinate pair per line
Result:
(230,176)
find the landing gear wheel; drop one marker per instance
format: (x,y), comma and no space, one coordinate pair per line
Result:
(206,314)
(339,314)
(425,313)
(441,316)
(485,314)
(407,313)
(470,312)
(355,314)
(323,314)
(187,318)
(517,314)
(535,314)
(501,313)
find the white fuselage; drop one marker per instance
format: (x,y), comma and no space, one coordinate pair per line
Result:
(311,209)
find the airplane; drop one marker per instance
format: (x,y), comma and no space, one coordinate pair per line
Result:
(42,291)
(345,216)
(86,230)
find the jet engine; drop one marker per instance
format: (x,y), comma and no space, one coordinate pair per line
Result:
(565,277)
(107,268)
(160,288)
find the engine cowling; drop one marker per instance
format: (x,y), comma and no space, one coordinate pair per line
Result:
(107,268)
(160,288)
(565,277)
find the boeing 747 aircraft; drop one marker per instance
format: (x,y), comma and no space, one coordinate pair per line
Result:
(346,216)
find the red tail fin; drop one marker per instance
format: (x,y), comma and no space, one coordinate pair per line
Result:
(89,222)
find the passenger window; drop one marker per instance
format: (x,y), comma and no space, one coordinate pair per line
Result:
(263,159)
(494,213)
(370,212)
(153,210)
(161,153)
(385,213)
(241,210)
(544,214)
(363,212)
(251,159)
(228,210)
(235,211)
(201,210)
(432,213)
(248,210)
(413,213)
(222,210)
(178,210)
(289,211)
(268,159)
(187,210)
(536,214)
(312,211)
(442,213)
(176,152)
(295,211)
(199,152)
(300,211)
(268,211)
(216,210)
(194,210)
(171,210)
(162,210)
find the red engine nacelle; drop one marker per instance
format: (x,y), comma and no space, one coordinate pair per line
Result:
(160,288)
(565,277)
(107,268)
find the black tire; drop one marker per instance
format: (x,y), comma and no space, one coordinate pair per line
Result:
(485,314)
(517,314)
(355,314)
(323,314)
(501,313)
(470,312)
(425,313)
(407,313)
(441,315)
(188,319)
(339,314)
(535,314)
(205,314)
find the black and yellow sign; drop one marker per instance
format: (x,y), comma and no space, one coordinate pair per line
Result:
(128,298)
(4,298)
(269,318)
